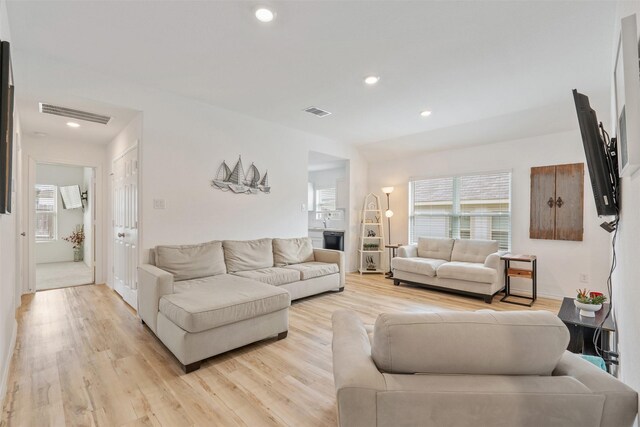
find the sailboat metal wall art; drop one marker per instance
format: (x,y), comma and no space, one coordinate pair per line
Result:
(237,181)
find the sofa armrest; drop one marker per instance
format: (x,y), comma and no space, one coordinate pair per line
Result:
(621,402)
(494,261)
(408,251)
(153,283)
(356,376)
(333,257)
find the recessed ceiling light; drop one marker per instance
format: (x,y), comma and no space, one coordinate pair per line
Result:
(371,80)
(73,125)
(265,15)
(425,113)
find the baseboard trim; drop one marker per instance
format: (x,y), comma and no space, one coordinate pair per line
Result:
(9,358)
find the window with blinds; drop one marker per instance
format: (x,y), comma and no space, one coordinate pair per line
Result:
(46,212)
(326,199)
(462,207)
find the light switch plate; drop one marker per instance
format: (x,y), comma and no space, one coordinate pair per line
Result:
(158,204)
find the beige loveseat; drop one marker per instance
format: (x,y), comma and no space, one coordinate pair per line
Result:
(481,368)
(202,300)
(470,267)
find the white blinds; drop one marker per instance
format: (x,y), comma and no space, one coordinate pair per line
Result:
(326,199)
(46,210)
(463,207)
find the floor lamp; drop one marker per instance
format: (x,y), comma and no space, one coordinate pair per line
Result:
(388,213)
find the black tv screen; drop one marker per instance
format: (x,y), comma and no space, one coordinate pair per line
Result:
(6,128)
(602,172)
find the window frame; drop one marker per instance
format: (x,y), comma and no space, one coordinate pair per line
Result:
(53,213)
(453,218)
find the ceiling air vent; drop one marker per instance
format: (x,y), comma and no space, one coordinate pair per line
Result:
(316,111)
(73,114)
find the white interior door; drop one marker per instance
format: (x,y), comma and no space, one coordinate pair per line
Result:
(125,226)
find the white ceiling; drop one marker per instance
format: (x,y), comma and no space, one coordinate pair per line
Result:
(476,64)
(36,124)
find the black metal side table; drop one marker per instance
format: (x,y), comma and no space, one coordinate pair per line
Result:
(510,272)
(393,249)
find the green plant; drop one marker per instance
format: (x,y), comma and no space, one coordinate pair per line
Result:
(586,297)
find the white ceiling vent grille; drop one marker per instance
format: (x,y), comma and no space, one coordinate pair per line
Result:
(73,114)
(317,111)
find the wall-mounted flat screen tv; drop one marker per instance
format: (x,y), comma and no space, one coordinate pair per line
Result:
(71,197)
(6,128)
(600,162)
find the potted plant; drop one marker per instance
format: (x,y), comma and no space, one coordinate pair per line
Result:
(76,238)
(589,302)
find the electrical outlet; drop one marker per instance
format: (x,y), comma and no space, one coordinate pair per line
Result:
(584,278)
(303,207)
(158,204)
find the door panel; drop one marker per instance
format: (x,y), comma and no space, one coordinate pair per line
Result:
(543,198)
(569,201)
(125,226)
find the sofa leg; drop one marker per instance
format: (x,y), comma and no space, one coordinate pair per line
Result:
(488,299)
(283,335)
(340,289)
(396,282)
(191,367)
(142,321)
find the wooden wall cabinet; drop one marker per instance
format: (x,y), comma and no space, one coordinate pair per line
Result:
(557,202)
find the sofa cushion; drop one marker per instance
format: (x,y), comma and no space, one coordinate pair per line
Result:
(191,261)
(206,303)
(468,250)
(243,255)
(435,247)
(292,251)
(425,266)
(469,271)
(309,270)
(482,343)
(275,276)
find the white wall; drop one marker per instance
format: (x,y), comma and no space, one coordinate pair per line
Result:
(559,262)
(87,217)
(49,150)
(8,257)
(67,219)
(626,278)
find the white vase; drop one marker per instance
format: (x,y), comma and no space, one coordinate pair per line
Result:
(587,310)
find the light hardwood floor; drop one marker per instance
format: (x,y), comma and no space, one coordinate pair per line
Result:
(84,358)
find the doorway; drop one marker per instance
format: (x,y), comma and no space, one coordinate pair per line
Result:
(64,226)
(328,201)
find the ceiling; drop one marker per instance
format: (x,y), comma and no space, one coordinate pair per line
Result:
(477,64)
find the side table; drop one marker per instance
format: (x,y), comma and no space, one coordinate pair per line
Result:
(510,272)
(582,329)
(393,249)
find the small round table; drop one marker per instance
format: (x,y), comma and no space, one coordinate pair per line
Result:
(392,254)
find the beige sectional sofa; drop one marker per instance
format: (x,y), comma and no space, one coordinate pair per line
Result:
(470,267)
(482,368)
(206,299)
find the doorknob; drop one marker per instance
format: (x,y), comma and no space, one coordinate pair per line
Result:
(559,202)
(23,234)
(120,234)
(550,202)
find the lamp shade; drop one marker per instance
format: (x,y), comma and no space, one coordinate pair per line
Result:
(388,213)
(387,190)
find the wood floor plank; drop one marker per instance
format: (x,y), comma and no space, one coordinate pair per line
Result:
(84,359)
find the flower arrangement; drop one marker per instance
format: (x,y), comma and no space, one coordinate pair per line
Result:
(76,238)
(593,298)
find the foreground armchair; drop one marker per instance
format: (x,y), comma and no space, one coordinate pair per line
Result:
(470,369)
